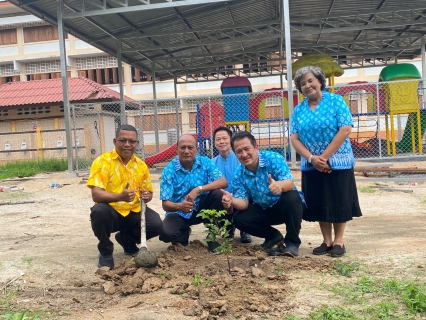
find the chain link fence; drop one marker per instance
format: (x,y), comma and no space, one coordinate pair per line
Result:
(389,121)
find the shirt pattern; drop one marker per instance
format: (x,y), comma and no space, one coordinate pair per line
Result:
(177,182)
(227,166)
(108,172)
(317,129)
(248,185)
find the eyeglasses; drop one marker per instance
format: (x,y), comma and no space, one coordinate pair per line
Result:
(124,141)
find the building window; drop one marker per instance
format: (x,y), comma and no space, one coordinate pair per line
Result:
(139,76)
(41,33)
(96,62)
(8,36)
(43,66)
(44,76)
(101,76)
(4,80)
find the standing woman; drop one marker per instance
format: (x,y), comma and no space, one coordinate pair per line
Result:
(320,128)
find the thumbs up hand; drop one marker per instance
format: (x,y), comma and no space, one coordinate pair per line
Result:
(127,194)
(226,199)
(274,186)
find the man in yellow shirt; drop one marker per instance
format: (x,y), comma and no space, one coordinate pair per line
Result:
(119,181)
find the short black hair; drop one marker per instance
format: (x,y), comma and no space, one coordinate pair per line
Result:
(241,135)
(222,129)
(125,127)
(316,71)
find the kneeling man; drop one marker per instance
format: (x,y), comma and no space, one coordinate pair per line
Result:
(265,195)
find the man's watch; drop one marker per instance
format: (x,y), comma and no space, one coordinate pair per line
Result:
(201,189)
(310,159)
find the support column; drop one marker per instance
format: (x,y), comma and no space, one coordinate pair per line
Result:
(424,72)
(156,127)
(286,13)
(123,119)
(176,108)
(65,95)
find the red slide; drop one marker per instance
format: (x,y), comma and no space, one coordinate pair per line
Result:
(164,155)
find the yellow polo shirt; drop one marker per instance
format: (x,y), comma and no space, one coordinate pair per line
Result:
(108,172)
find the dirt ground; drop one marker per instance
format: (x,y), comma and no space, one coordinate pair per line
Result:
(48,258)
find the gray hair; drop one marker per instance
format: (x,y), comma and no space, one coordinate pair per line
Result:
(316,71)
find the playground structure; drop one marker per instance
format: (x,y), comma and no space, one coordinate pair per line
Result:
(242,111)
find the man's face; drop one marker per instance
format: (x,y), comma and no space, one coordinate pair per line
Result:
(247,154)
(222,142)
(187,149)
(125,144)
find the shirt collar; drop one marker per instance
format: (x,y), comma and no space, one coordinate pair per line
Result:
(116,156)
(178,165)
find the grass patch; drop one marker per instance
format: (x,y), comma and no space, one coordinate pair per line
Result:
(345,269)
(20,169)
(200,281)
(367,190)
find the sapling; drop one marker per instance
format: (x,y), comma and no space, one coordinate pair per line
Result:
(217,230)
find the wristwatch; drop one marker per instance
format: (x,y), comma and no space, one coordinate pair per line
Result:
(310,159)
(201,189)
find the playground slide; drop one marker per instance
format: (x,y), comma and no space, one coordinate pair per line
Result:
(405,143)
(162,156)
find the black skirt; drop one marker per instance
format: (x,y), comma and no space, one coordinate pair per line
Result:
(330,197)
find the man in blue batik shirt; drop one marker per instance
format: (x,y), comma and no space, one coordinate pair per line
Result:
(227,162)
(265,178)
(189,184)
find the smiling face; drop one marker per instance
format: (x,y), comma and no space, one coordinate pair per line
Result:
(187,150)
(222,142)
(247,154)
(125,144)
(310,86)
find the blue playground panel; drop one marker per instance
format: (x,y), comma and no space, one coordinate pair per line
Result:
(236,108)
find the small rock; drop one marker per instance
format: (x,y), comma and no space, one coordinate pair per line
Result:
(258,273)
(186,258)
(204,315)
(238,270)
(109,287)
(78,283)
(214,311)
(102,270)
(272,277)
(217,303)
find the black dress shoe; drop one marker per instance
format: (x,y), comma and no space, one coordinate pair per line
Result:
(322,249)
(291,251)
(338,251)
(270,243)
(245,237)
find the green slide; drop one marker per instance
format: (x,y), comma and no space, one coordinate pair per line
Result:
(405,143)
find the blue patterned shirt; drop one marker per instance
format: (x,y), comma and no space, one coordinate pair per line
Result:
(177,182)
(227,166)
(248,185)
(317,129)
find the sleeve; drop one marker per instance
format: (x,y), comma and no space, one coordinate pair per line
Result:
(213,172)
(343,113)
(99,174)
(146,182)
(279,169)
(294,125)
(238,188)
(166,184)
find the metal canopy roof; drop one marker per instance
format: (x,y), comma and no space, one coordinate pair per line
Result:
(189,39)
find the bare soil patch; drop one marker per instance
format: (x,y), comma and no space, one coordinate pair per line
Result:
(48,260)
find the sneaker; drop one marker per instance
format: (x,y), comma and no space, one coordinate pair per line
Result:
(291,251)
(106,261)
(322,249)
(130,250)
(270,243)
(245,237)
(213,245)
(338,251)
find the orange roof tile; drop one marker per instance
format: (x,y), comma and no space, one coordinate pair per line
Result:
(50,91)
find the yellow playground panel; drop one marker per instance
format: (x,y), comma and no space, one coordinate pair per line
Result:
(401,98)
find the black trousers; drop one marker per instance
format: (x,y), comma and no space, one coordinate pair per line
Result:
(176,228)
(105,220)
(258,222)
